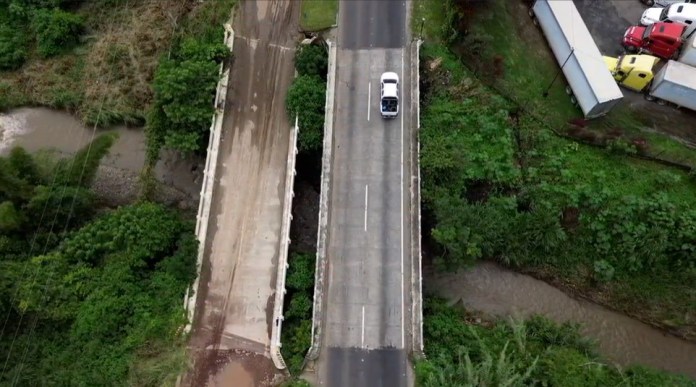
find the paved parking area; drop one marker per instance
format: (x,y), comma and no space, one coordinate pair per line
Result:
(607,21)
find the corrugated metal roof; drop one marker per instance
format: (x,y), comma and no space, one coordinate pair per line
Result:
(585,50)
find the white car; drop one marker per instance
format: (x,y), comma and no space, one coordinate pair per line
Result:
(389,95)
(681,12)
(665,3)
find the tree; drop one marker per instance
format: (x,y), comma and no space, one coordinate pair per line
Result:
(12,48)
(80,170)
(184,93)
(306,99)
(56,30)
(312,59)
(10,218)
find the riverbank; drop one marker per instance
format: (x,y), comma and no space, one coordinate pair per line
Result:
(466,347)
(57,134)
(492,290)
(499,183)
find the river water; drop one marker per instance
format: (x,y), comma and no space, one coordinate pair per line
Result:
(492,289)
(40,129)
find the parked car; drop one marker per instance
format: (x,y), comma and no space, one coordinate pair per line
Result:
(665,3)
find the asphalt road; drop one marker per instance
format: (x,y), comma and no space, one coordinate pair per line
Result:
(367,321)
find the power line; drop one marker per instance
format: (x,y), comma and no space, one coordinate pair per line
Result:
(65,229)
(55,178)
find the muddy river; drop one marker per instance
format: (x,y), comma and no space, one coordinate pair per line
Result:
(492,289)
(45,129)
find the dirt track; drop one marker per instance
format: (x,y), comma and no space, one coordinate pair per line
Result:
(234,306)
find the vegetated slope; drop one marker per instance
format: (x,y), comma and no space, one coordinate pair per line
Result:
(95,303)
(464,350)
(96,58)
(499,183)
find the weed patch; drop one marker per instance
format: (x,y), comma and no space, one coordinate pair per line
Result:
(466,350)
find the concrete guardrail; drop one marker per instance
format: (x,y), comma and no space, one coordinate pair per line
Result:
(324,197)
(280,291)
(209,177)
(416,248)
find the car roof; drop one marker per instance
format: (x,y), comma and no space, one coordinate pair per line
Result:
(671,29)
(389,90)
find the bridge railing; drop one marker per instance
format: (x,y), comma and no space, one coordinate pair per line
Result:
(209,172)
(322,233)
(284,248)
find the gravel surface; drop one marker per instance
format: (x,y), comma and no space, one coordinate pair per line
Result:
(118,187)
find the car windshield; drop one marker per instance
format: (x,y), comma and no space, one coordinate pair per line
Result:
(663,14)
(647,31)
(390,81)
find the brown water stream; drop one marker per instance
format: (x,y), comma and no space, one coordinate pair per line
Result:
(40,128)
(492,289)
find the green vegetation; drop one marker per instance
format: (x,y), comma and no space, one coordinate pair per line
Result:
(522,353)
(297,326)
(498,183)
(185,84)
(117,61)
(307,96)
(85,300)
(318,15)
(297,383)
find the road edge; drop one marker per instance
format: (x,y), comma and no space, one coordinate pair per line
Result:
(324,197)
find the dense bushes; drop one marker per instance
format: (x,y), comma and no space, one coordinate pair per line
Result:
(532,352)
(311,59)
(115,288)
(22,22)
(528,201)
(184,94)
(307,96)
(297,327)
(55,30)
(12,47)
(94,303)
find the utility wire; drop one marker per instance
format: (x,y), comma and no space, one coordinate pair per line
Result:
(60,201)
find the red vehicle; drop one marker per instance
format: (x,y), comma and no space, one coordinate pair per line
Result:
(660,39)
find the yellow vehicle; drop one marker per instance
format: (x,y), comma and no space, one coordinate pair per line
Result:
(633,72)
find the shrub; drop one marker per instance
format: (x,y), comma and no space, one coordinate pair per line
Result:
(12,48)
(184,93)
(306,98)
(312,60)
(56,30)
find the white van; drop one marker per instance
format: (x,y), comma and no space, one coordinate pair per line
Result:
(676,13)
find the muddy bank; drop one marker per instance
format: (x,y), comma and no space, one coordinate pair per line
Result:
(117,180)
(492,289)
